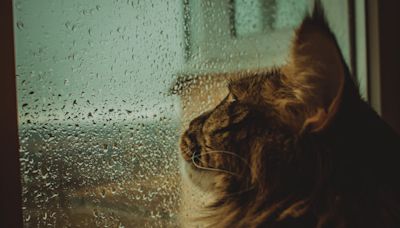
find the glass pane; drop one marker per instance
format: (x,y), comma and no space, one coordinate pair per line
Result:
(249,17)
(98,128)
(263,16)
(105,87)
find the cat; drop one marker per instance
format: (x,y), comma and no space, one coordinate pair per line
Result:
(295,146)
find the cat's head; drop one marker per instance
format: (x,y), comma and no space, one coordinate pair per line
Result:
(254,139)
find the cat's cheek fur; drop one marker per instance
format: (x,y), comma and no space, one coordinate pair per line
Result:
(204,180)
(195,194)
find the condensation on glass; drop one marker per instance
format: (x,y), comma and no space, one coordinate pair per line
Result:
(105,87)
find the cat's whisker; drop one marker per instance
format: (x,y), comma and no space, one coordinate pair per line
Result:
(209,168)
(222,170)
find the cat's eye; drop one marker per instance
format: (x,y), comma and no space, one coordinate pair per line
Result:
(232,98)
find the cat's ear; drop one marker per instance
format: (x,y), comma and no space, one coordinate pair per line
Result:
(316,71)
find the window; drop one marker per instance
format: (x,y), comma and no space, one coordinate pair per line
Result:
(237,36)
(226,36)
(98,124)
(98,131)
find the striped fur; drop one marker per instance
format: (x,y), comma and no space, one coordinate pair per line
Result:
(295,146)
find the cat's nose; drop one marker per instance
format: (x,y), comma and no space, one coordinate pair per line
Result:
(189,146)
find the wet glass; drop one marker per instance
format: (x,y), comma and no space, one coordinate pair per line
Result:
(105,88)
(98,128)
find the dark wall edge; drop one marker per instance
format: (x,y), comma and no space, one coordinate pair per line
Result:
(10,193)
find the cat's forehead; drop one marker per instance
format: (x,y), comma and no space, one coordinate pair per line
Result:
(253,81)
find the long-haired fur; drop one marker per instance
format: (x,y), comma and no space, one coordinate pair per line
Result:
(296,146)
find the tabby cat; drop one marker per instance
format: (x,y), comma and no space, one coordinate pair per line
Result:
(296,146)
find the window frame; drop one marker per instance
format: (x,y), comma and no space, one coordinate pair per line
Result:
(11,189)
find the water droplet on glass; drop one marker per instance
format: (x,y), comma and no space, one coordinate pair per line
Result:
(20,25)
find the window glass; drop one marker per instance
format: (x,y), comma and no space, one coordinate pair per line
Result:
(231,36)
(265,16)
(98,128)
(105,87)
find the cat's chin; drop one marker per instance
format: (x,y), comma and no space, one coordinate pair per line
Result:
(202,179)
(197,192)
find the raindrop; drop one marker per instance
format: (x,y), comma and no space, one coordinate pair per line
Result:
(20,25)
(67,25)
